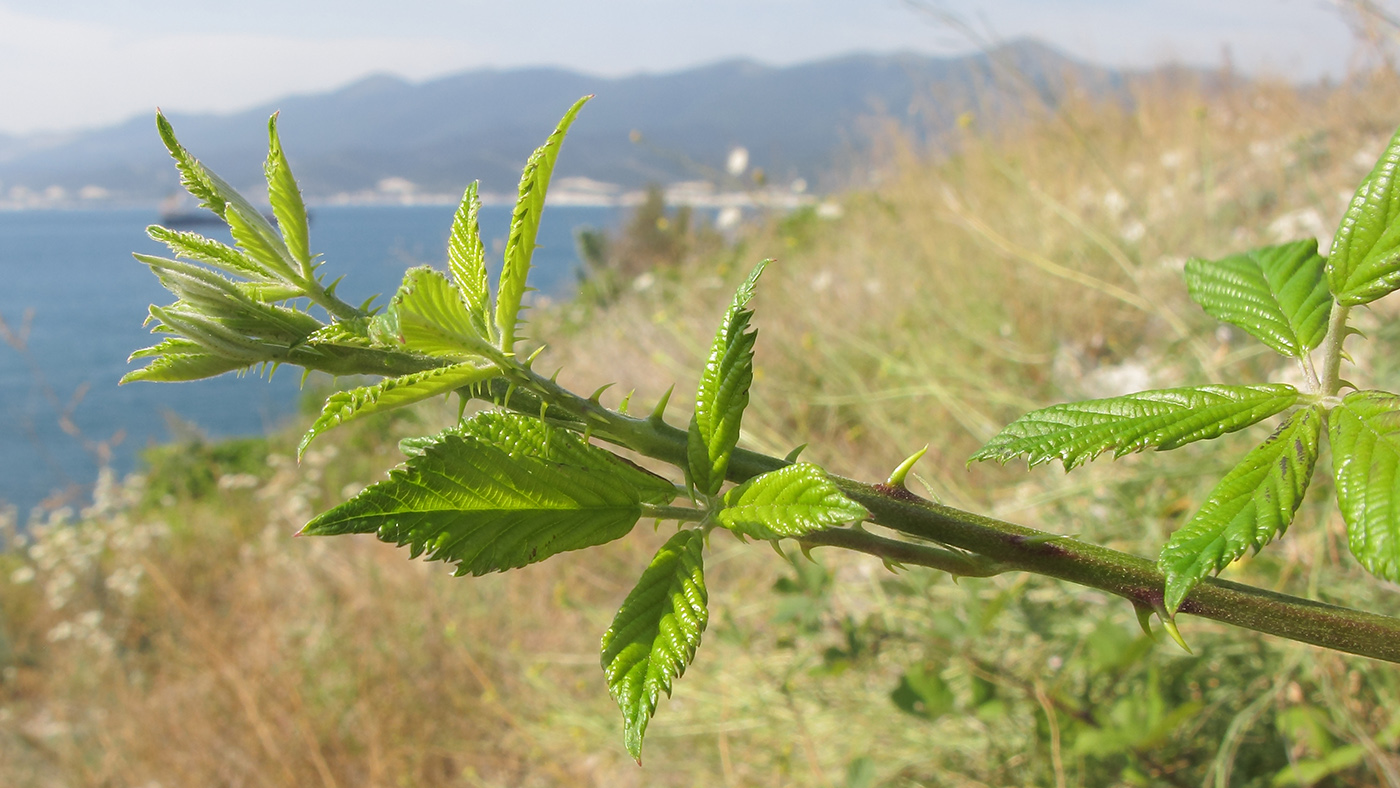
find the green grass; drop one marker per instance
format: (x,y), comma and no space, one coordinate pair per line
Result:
(177,633)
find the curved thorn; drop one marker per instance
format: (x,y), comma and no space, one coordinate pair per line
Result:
(902,472)
(555,377)
(895,567)
(792,455)
(626,401)
(598,392)
(658,413)
(531,360)
(1169,624)
(1144,619)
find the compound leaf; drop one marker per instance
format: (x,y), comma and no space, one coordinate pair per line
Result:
(466,257)
(791,501)
(285,196)
(525,226)
(723,393)
(1252,505)
(1365,260)
(1165,419)
(654,635)
(433,319)
(1365,435)
(345,406)
(470,503)
(1277,293)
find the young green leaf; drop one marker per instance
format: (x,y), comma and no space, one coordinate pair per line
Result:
(287,205)
(525,226)
(345,406)
(1365,260)
(1079,431)
(724,393)
(194,246)
(218,298)
(432,318)
(1365,436)
(654,635)
(466,257)
(520,435)
(791,501)
(178,360)
(1277,293)
(1253,504)
(251,231)
(473,504)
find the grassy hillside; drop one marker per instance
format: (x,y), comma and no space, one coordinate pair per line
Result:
(175,633)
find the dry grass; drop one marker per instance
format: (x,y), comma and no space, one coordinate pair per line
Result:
(1036,264)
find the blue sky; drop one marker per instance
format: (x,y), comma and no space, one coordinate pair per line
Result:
(67,64)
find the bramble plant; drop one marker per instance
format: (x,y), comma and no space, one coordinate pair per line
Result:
(527,479)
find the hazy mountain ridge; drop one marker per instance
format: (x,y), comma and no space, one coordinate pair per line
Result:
(383,135)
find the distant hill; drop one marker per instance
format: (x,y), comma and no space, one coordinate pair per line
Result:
(810,121)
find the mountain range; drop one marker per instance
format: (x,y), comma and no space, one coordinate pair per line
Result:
(382,136)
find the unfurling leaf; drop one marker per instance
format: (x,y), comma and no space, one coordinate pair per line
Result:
(790,501)
(1365,260)
(1079,431)
(466,257)
(196,247)
(1365,435)
(525,226)
(654,635)
(178,360)
(345,406)
(1252,505)
(250,229)
(433,319)
(723,394)
(470,503)
(287,205)
(1278,294)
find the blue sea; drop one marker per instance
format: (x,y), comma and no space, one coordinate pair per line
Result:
(69,283)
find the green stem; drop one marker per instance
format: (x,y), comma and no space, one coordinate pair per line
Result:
(1013,546)
(681,514)
(1332,350)
(318,294)
(954,563)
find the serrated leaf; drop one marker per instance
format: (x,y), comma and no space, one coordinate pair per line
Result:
(1252,505)
(791,501)
(1277,293)
(723,393)
(211,334)
(194,246)
(346,406)
(518,435)
(1165,419)
(251,231)
(653,638)
(218,298)
(285,196)
(466,257)
(179,360)
(432,318)
(354,332)
(525,226)
(1365,260)
(467,502)
(1365,435)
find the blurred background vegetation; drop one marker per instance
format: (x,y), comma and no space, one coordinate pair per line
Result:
(174,633)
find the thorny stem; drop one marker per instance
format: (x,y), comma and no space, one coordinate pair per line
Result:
(1005,545)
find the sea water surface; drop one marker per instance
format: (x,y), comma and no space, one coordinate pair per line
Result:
(73,273)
